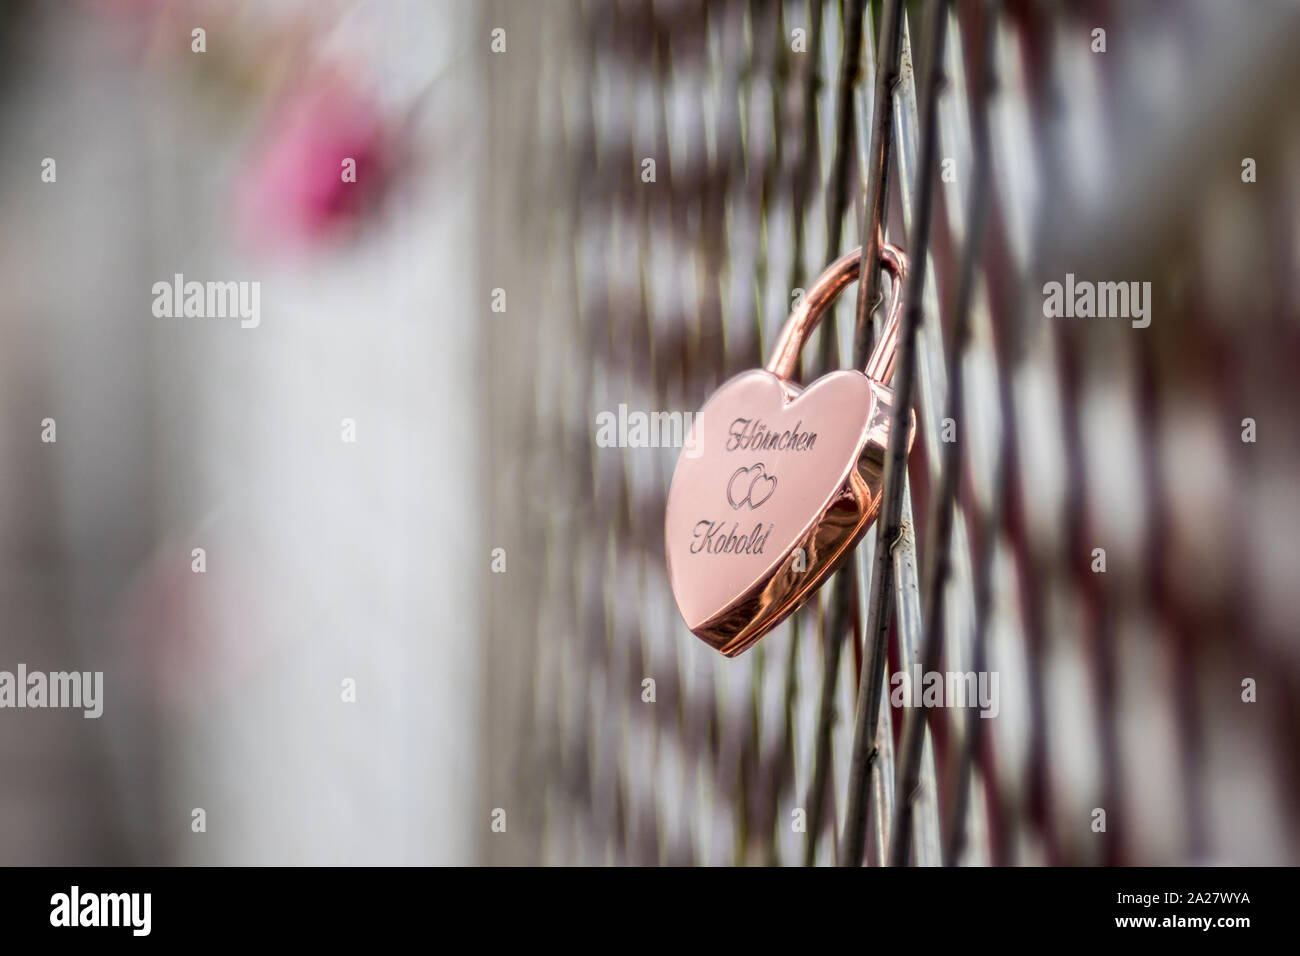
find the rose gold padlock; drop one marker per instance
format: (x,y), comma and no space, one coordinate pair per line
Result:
(778,482)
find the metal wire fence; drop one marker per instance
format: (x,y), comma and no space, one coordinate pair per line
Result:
(1117,558)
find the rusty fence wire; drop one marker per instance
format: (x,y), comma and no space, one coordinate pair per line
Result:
(1085,521)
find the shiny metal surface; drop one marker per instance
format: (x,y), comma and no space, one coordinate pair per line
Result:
(739,560)
(802,321)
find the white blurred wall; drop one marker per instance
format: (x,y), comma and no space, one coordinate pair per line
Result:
(326,560)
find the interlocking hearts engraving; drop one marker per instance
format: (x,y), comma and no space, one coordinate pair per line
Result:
(781,482)
(750,478)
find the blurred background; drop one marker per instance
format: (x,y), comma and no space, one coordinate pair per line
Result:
(326,560)
(430,600)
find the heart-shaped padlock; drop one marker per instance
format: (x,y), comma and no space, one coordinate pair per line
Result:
(777,483)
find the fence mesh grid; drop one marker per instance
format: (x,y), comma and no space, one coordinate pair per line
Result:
(645,286)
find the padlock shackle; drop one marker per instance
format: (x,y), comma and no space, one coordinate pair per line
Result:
(841,272)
